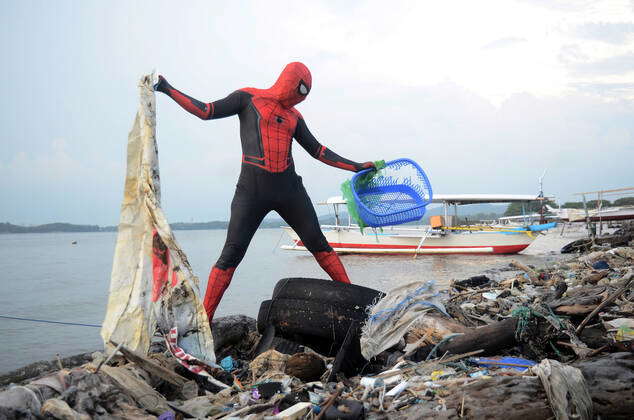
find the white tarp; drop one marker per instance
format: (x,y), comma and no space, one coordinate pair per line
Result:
(152,287)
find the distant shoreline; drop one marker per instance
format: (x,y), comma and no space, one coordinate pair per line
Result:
(477,212)
(8,228)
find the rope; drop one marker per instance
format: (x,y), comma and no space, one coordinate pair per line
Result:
(523,314)
(50,322)
(444,340)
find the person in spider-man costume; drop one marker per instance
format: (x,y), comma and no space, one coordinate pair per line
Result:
(268,124)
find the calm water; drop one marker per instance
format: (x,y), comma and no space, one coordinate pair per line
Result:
(44,276)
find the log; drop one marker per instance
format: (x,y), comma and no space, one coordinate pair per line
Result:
(188,389)
(151,367)
(490,338)
(574,309)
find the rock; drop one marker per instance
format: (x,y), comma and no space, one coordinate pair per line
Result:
(476,281)
(267,362)
(42,367)
(230,330)
(21,400)
(199,407)
(305,366)
(58,409)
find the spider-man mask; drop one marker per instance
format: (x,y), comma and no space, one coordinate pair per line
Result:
(293,85)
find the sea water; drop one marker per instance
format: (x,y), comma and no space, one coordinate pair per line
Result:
(46,276)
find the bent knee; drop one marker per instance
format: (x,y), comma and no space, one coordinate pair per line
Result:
(231,256)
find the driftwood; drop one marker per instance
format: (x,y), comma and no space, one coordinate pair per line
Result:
(576,309)
(491,339)
(529,271)
(137,389)
(595,276)
(188,389)
(627,281)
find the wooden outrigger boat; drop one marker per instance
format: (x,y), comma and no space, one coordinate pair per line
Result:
(441,237)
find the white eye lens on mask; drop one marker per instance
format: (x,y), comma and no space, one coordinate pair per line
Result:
(303,89)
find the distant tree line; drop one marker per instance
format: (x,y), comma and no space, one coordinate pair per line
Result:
(47,228)
(515,209)
(519,208)
(593,204)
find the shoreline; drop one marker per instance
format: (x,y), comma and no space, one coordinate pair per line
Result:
(422,385)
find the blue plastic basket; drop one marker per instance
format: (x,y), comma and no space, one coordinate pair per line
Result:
(397,194)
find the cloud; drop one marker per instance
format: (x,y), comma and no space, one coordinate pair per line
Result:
(612,33)
(617,90)
(615,65)
(503,43)
(561,5)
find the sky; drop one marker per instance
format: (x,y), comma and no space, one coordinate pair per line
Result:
(485,96)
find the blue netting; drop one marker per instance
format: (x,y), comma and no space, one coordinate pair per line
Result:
(394,195)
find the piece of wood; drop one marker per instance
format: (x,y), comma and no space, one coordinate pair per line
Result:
(490,339)
(329,403)
(256,408)
(531,273)
(574,309)
(594,277)
(152,367)
(629,276)
(142,393)
(294,412)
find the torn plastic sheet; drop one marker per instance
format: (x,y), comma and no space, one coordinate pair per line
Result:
(395,314)
(152,286)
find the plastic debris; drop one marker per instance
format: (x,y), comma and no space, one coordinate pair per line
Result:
(600,265)
(227,364)
(533,322)
(516,363)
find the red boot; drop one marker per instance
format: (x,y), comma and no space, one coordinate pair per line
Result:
(219,280)
(330,262)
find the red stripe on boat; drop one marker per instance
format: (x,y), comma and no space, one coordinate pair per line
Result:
(497,249)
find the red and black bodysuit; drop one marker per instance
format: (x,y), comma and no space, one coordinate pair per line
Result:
(268,124)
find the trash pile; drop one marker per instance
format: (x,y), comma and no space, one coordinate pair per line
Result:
(557,341)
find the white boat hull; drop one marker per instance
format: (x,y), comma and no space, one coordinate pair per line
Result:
(410,241)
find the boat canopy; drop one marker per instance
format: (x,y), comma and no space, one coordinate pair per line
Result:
(462,198)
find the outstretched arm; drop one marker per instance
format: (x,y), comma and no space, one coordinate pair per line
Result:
(228,106)
(306,139)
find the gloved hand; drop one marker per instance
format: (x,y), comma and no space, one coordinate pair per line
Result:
(364,165)
(162,85)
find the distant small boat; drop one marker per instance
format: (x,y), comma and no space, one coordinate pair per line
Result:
(74,243)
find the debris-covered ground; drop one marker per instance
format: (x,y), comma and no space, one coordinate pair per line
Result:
(541,343)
